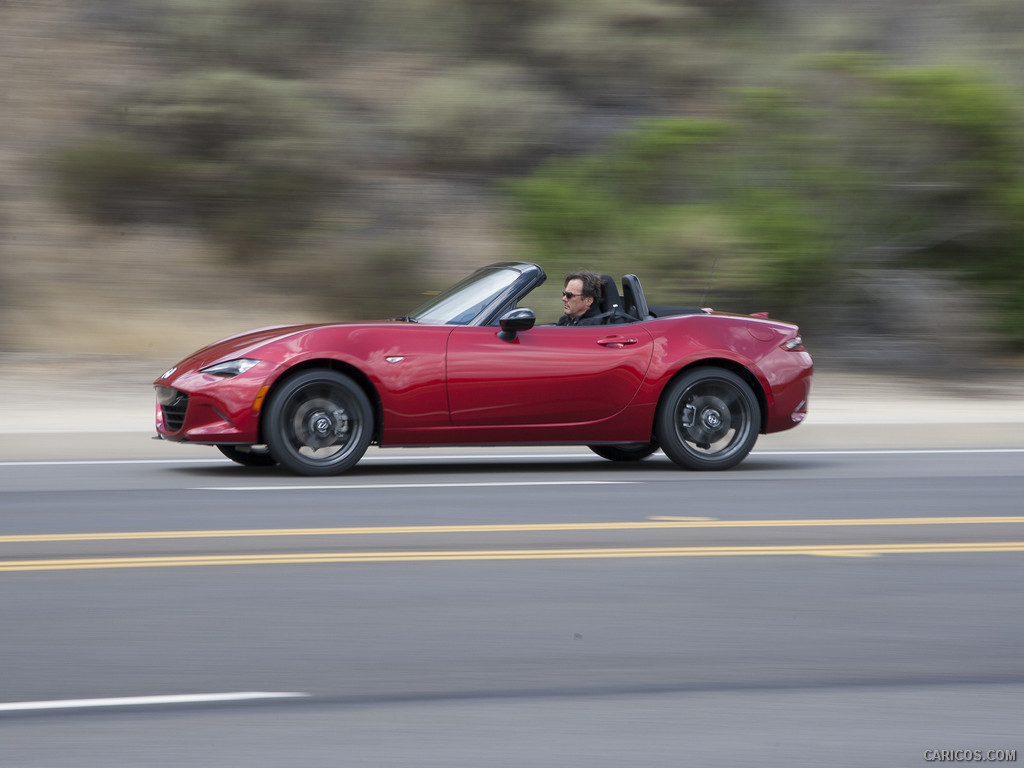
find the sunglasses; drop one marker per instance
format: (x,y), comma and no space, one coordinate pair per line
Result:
(570,295)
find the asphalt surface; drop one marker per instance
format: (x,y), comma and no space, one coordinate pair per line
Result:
(848,596)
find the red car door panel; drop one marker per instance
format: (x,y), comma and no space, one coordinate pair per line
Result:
(547,375)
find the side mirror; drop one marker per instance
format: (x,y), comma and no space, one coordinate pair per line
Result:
(515,320)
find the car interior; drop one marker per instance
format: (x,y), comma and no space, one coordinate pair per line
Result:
(631,305)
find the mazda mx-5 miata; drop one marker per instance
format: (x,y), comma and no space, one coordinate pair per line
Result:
(472,367)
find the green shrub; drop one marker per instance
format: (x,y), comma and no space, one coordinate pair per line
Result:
(244,157)
(868,166)
(113,179)
(945,163)
(479,118)
(269,36)
(609,50)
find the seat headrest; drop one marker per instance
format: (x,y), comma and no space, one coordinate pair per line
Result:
(609,294)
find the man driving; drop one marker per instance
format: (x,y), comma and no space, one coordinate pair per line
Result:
(581,299)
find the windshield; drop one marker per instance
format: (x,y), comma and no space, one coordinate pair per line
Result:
(461,303)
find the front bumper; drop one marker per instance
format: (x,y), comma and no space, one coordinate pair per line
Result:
(200,408)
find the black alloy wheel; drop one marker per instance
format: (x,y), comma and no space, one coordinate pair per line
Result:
(708,419)
(319,422)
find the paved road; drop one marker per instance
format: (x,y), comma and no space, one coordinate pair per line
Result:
(851,607)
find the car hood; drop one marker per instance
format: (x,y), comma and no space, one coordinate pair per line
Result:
(237,346)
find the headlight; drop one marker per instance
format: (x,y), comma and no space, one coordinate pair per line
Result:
(229,367)
(166,395)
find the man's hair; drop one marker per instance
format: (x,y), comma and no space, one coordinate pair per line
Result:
(592,283)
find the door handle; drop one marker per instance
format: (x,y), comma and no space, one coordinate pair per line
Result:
(616,342)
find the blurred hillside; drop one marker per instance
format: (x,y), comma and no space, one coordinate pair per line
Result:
(177,170)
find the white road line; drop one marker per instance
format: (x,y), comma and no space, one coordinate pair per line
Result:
(514,457)
(144,701)
(520,456)
(365,459)
(93,462)
(887,452)
(400,486)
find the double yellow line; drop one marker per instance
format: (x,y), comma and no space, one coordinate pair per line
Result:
(818,550)
(561,553)
(651,523)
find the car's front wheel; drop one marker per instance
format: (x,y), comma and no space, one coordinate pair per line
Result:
(708,419)
(625,451)
(319,422)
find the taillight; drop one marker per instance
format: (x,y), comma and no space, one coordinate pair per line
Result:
(795,344)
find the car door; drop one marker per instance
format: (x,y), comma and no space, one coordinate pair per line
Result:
(546,375)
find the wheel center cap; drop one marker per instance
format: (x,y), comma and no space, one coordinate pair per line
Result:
(712,419)
(323,425)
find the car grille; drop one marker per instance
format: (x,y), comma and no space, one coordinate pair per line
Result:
(174,414)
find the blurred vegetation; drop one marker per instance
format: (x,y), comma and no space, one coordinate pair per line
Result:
(792,191)
(266,36)
(479,118)
(237,154)
(781,152)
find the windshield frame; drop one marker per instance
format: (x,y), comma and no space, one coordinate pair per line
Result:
(482,297)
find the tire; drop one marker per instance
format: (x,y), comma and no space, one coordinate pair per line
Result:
(248,455)
(317,423)
(708,419)
(625,451)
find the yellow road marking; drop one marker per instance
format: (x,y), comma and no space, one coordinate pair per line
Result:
(653,523)
(820,550)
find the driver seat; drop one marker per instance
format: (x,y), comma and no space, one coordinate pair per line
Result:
(611,302)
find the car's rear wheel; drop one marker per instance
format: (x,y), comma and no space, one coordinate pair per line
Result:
(625,451)
(248,455)
(319,422)
(708,419)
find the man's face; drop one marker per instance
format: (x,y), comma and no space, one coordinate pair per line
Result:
(575,303)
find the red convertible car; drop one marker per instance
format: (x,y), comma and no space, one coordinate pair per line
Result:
(472,367)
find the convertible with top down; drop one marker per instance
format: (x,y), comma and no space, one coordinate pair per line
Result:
(473,367)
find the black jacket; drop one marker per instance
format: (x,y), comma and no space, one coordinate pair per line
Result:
(593,316)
